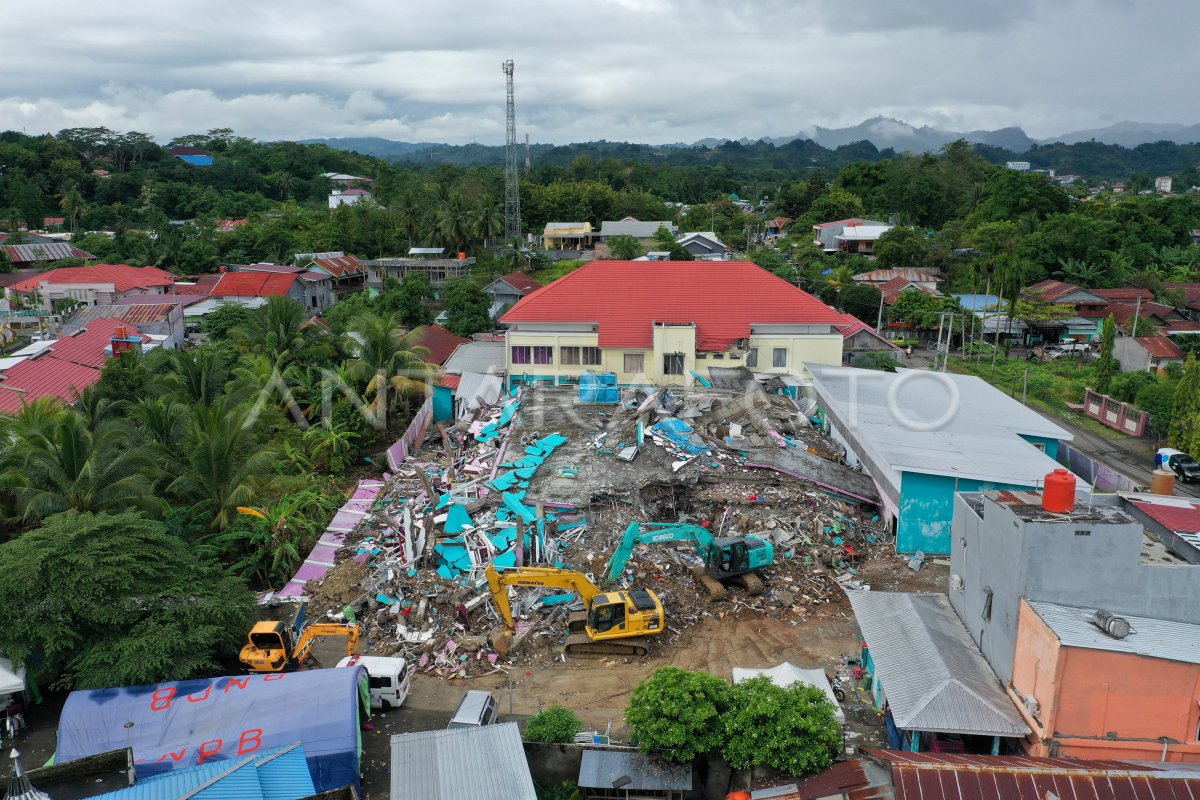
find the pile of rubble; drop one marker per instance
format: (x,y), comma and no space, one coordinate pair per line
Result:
(415,569)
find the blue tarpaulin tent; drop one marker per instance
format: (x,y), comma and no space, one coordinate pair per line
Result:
(189,723)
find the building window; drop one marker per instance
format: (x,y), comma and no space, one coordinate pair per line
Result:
(543,355)
(635,363)
(568,356)
(779,357)
(673,364)
(520,355)
(752,357)
(591,356)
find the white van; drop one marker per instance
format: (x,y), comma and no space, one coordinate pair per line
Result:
(388,678)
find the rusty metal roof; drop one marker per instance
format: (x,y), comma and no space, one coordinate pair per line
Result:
(50,251)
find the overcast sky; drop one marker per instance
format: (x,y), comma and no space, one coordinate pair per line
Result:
(656,71)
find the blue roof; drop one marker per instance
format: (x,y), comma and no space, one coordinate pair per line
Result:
(280,773)
(198,161)
(979,302)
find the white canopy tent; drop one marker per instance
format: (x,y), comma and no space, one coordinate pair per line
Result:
(786,674)
(12,679)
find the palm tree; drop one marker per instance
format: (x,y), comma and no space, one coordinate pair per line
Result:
(625,248)
(224,463)
(386,359)
(196,377)
(261,377)
(489,221)
(406,212)
(63,466)
(277,330)
(268,540)
(329,446)
(98,409)
(1084,273)
(73,206)
(454,221)
(840,278)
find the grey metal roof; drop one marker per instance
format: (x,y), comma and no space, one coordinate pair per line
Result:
(639,230)
(482,357)
(426,251)
(475,384)
(462,764)
(600,768)
(1154,638)
(933,675)
(50,251)
(977,435)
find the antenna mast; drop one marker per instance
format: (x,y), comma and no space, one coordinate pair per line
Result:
(512,189)
(527,155)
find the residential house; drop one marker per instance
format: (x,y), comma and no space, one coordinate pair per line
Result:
(54,223)
(778,226)
(830,236)
(230,225)
(459,763)
(1097,685)
(163,320)
(1146,353)
(1189,295)
(1157,315)
(654,323)
(1090,308)
(1174,521)
(26,256)
(1125,294)
(859,338)
(929,679)
(568,236)
(631,226)
(317,285)
(925,280)
(992,312)
(897,286)
(1163,183)
(252,289)
(438,342)
(196,156)
(922,437)
(63,368)
(506,290)
(1006,546)
(430,262)
(348,197)
(346,273)
(472,376)
(99,284)
(705,246)
(346,181)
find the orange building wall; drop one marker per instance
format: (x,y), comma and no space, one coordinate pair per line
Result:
(1086,694)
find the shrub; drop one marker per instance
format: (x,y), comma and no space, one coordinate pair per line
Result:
(793,730)
(676,713)
(554,725)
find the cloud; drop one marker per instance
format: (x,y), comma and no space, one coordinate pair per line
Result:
(637,70)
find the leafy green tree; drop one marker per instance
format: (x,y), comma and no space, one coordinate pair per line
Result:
(793,730)
(218,323)
(555,724)
(901,247)
(1157,399)
(625,248)
(1106,367)
(676,714)
(862,300)
(267,543)
(467,307)
(884,362)
(1184,432)
(106,600)
(61,465)
(836,204)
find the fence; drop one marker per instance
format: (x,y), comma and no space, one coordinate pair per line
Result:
(1115,414)
(1100,476)
(398,453)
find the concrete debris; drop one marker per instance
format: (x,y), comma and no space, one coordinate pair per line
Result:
(539,480)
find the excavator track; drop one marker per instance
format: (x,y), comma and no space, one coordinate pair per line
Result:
(750,582)
(716,590)
(580,646)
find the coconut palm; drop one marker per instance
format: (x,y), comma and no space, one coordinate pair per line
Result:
(454,221)
(196,377)
(488,222)
(268,540)
(329,445)
(405,211)
(277,330)
(388,360)
(73,206)
(63,466)
(840,278)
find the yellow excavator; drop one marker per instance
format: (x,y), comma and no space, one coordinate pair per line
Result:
(274,646)
(614,623)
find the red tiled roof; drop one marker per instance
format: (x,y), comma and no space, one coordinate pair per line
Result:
(626,298)
(449,381)
(908,273)
(919,776)
(780,222)
(895,287)
(1159,346)
(122,276)
(230,224)
(1182,519)
(1049,291)
(852,325)
(252,284)
(356,191)
(44,376)
(521,282)
(1130,293)
(89,347)
(339,266)
(440,342)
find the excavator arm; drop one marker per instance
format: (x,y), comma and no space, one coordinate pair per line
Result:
(656,532)
(318,630)
(498,583)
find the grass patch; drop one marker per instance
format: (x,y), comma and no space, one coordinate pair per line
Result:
(558,269)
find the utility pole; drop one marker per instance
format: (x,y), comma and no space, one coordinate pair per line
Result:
(879,319)
(512,185)
(1137,312)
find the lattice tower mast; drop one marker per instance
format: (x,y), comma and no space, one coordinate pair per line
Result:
(512,186)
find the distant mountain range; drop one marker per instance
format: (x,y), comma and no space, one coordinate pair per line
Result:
(883,132)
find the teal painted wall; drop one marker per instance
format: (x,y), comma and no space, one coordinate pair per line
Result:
(927,506)
(1050,445)
(443,403)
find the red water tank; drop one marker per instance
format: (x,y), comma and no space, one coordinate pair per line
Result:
(1058,496)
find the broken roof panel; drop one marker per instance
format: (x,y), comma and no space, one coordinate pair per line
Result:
(603,769)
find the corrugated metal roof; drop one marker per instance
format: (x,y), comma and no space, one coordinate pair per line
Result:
(426,251)
(253,284)
(274,774)
(636,228)
(863,233)
(472,385)
(600,768)
(29,253)
(280,268)
(339,266)
(908,273)
(1182,518)
(484,763)
(440,342)
(90,346)
(921,776)
(122,277)
(149,312)
(933,675)
(521,282)
(1154,638)
(481,357)
(43,377)
(1159,346)
(845,779)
